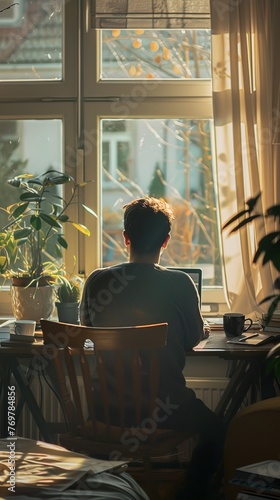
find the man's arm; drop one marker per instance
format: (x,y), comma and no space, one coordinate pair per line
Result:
(194,325)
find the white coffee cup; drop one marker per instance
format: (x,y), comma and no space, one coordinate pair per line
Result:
(25,327)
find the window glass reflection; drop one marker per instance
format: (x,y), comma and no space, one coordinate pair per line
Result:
(31,34)
(159,54)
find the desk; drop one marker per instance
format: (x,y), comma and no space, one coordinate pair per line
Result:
(247,366)
(247,372)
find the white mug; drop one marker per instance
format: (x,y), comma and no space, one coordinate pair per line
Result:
(25,327)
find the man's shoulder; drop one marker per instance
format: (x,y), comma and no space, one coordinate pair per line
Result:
(174,274)
(105,272)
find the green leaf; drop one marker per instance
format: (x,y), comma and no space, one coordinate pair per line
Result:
(56,180)
(22,233)
(270,249)
(58,251)
(273,255)
(22,241)
(56,209)
(275,299)
(275,351)
(62,242)
(62,179)
(277,283)
(89,210)
(14,182)
(63,218)
(50,220)
(35,180)
(81,228)
(277,366)
(3,263)
(30,197)
(36,222)
(20,209)
(4,238)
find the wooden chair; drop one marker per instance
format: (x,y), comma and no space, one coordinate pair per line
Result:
(115,436)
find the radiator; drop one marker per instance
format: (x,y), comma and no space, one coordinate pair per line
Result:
(209,390)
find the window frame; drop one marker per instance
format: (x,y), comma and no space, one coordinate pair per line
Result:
(140,88)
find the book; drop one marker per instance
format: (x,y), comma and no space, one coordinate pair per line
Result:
(261,476)
(19,341)
(271,328)
(274,322)
(258,339)
(249,495)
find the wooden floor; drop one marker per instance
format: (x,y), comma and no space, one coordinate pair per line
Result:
(169,481)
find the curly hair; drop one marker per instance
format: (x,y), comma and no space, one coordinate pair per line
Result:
(147,222)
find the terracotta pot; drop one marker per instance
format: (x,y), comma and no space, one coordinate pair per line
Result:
(32,303)
(27,281)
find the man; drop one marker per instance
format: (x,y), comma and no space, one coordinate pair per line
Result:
(142,292)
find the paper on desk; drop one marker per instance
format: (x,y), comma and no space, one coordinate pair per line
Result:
(215,323)
(44,465)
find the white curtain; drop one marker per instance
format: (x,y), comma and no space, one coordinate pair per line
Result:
(245,64)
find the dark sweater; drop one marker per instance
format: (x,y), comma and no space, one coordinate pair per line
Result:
(137,294)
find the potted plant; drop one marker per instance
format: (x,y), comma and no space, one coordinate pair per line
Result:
(269,248)
(68,294)
(33,240)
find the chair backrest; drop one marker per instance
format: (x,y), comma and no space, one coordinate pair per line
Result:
(122,356)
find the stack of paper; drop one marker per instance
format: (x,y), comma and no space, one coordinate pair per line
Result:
(274,323)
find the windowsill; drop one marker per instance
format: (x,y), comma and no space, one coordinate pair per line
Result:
(213,302)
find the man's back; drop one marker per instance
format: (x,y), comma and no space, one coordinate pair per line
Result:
(134,294)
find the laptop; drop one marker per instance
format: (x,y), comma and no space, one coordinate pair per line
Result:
(195,273)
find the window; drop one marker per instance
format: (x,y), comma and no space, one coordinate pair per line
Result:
(125,108)
(158,83)
(31,38)
(117,144)
(150,54)
(19,156)
(172,159)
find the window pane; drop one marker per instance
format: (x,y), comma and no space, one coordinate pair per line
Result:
(169,158)
(161,54)
(31,34)
(27,146)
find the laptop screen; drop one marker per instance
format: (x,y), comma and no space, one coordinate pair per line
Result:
(195,274)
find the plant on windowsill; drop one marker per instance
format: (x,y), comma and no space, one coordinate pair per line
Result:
(269,247)
(32,242)
(68,294)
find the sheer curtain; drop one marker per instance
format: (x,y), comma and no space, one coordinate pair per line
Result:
(246,41)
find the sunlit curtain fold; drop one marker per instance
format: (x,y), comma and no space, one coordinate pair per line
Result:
(246,38)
